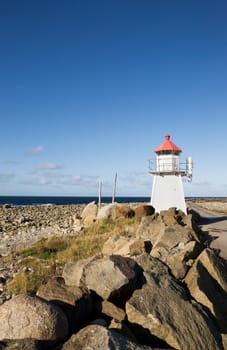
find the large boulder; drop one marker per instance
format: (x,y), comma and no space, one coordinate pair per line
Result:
(123,211)
(90,209)
(125,246)
(110,310)
(180,261)
(207,283)
(119,245)
(73,272)
(32,317)
(89,214)
(106,212)
(74,301)
(111,277)
(150,229)
(171,216)
(144,210)
(95,337)
(168,241)
(161,309)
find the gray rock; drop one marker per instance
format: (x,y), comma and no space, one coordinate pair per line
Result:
(119,245)
(112,277)
(90,209)
(144,210)
(178,261)
(109,309)
(107,212)
(95,337)
(207,283)
(21,344)
(168,241)
(73,272)
(161,309)
(31,317)
(74,301)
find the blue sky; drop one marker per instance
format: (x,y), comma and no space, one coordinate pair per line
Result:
(89,88)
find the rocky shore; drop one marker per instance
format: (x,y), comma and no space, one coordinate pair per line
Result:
(160,286)
(22,226)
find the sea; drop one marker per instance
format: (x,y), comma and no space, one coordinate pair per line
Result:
(67,200)
(61,200)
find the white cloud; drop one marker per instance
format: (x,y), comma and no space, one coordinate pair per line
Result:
(36,181)
(84,181)
(36,150)
(49,166)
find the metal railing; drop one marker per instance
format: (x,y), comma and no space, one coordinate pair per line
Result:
(167,167)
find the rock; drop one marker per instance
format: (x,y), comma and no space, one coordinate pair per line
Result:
(31,317)
(107,212)
(150,229)
(167,242)
(6,206)
(75,302)
(111,310)
(144,210)
(73,272)
(21,344)
(140,246)
(173,216)
(161,308)
(95,337)
(169,216)
(123,211)
(207,283)
(123,329)
(112,277)
(22,226)
(89,220)
(119,245)
(90,209)
(224,341)
(177,266)
(178,262)
(99,321)
(187,220)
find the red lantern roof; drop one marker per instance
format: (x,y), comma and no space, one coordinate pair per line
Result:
(167,145)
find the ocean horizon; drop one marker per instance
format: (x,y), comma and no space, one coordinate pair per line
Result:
(66,200)
(70,200)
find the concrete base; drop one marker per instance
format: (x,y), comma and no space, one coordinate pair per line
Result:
(168,192)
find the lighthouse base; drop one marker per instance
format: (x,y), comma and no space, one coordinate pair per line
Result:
(167,192)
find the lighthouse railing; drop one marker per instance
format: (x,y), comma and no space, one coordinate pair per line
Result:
(167,168)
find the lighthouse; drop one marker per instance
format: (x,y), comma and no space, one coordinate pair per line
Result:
(167,190)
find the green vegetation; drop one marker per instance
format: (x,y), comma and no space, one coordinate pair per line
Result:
(48,256)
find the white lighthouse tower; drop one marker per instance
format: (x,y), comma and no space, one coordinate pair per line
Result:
(167,188)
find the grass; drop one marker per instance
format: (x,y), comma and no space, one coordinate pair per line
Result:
(32,272)
(48,256)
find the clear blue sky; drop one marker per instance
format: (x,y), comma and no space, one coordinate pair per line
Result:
(89,88)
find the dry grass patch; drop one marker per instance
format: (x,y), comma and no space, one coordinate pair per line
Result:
(31,273)
(48,256)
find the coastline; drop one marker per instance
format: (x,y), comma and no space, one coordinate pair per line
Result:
(80,200)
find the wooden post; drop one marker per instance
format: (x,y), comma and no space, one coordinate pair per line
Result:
(100,194)
(114,188)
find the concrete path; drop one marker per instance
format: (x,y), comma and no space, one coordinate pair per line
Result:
(214,225)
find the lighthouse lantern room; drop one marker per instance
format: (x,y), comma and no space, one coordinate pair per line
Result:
(167,190)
